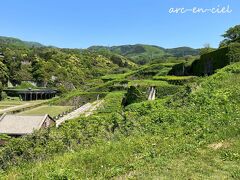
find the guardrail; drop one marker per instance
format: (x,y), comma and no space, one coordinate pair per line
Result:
(66,112)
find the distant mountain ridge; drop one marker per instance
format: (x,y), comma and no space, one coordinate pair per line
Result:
(141,53)
(183,51)
(19,42)
(138,53)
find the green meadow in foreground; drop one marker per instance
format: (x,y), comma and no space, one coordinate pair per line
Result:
(51,110)
(193,134)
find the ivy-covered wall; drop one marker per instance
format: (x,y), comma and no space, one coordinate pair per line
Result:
(177,70)
(209,62)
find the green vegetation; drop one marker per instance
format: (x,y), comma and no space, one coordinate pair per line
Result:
(76,98)
(68,136)
(232,35)
(211,59)
(143,72)
(25,85)
(4,137)
(150,70)
(149,139)
(190,131)
(134,95)
(209,62)
(65,69)
(4,107)
(110,77)
(234,52)
(51,110)
(143,78)
(18,43)
(175,79)
(112,104)
(146,83)
(138,90)
(183,51)
(10,103)
(16,106)
(142,54)
(3,77)
(206,49)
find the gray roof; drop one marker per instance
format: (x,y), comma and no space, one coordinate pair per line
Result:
(20,125)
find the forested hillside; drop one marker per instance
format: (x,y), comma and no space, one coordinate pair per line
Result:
(18,42)
(65,69)
(142,54)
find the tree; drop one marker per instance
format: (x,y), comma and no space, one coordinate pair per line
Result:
(3,74)
(1,89)
(206,49)
(38,70)
(231,35)
(234,52)
(3,77)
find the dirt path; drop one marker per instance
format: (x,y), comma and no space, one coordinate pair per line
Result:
(86,110)
(22,106)
(14,108)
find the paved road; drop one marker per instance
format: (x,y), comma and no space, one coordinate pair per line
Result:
(86,109)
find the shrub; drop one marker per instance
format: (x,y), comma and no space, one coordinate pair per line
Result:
(180,80)
(82,130)
(3,95)
(1,88)
(134,95)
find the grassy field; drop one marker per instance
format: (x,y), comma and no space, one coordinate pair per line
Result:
(5,106)
(147,83)
(8,106)
(190,135)
(11,103)
(145,157)
(51,110)
(176,78)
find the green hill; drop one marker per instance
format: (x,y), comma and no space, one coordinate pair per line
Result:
(18,42)
(142,54)
(193,134)
(116,58)
(125,54)
(65,69)
(183,51)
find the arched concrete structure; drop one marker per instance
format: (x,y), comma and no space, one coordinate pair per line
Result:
(31,94)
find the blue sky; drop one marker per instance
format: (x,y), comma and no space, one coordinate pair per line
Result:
(82,23)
